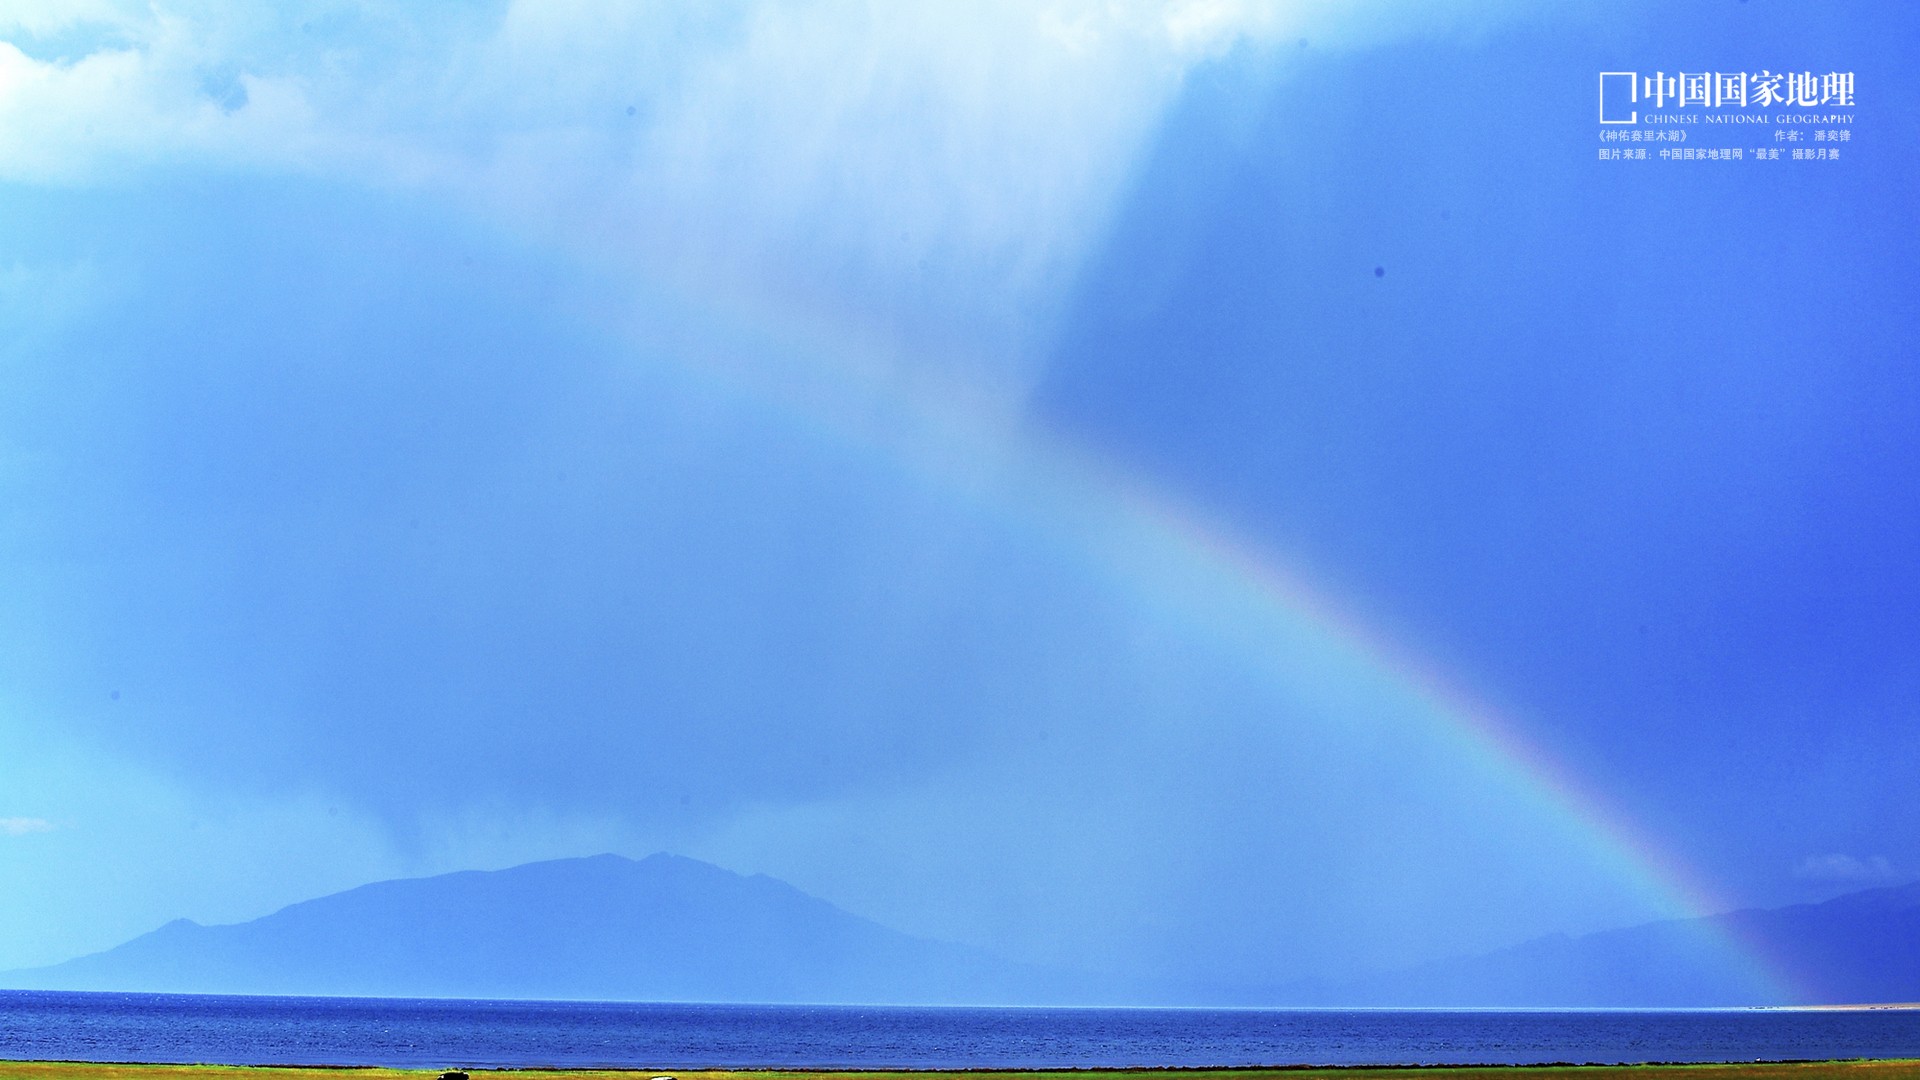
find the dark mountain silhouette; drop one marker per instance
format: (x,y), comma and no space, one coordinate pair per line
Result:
(661,929)
(673,929)
(1861,948)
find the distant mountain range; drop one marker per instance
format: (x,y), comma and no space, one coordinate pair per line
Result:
(1860,948)
(667,928)
(663,928)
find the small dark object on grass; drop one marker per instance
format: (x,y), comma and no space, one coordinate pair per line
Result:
(453,1076)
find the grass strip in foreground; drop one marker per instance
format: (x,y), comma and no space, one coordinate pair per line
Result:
(1810,1070)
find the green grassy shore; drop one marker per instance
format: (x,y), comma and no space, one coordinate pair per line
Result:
(1813,1070)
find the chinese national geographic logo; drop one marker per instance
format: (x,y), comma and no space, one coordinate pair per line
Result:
(1623,94)
(1738,115)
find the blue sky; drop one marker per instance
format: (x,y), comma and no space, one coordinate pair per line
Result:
(804,439)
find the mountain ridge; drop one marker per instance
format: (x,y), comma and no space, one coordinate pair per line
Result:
(1861,947)
(670,928)
(662,928)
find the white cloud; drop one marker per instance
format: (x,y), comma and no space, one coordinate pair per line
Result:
(21,826)
(1847,869)
(925,177)
(163,101)
(928,171)
(42,18)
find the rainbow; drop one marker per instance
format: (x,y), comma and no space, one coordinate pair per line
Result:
(1475,728)
(970,446)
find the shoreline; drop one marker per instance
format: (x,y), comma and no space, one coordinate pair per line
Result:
(1854,1068)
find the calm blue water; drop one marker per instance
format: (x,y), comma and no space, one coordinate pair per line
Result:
(344,1031)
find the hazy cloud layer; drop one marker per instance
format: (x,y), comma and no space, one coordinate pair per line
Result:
(1843,869)
(21,826)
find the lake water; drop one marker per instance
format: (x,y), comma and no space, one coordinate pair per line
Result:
(439,1034)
